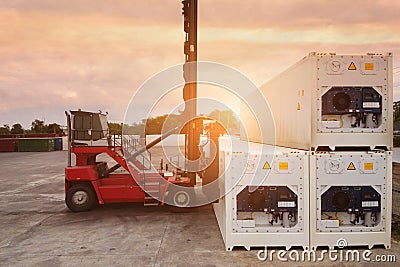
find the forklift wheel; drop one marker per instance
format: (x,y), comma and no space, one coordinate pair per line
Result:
(181,197)
(80,197)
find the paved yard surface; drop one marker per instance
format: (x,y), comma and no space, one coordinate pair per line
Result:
(36,228)
(396,154)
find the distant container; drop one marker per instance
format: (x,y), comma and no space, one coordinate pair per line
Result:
(35,144)
(8,136)
(65,142)
(172,140)
(41,135)
(9,145)
(58,143)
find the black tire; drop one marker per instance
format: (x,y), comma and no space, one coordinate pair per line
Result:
(180,197)
(81,197)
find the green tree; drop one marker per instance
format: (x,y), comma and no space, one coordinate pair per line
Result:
(156,125)
(163,123)
(5,129)
(135,129)
(53,128)
(17,129)
(38,126)
(115,127)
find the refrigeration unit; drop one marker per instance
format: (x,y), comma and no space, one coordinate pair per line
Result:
(339,109)
(330,102)
(350,198)
(266,200)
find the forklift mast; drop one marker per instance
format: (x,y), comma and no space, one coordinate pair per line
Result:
(189,12)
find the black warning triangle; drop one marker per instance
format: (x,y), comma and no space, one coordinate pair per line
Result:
(266,166)
(351,167)
(352,66)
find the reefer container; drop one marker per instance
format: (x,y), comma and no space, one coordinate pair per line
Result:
(35,144)
(265,196)
(331,101)
(350,199)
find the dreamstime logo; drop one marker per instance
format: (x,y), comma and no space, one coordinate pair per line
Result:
(159,90)
(333,255)
(341,243)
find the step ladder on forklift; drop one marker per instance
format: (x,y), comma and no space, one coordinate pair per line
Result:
(150,180)
(151,186)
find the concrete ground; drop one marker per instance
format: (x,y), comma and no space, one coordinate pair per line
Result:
(396,154)
(37,229)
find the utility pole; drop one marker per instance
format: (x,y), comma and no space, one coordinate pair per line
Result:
(189,12)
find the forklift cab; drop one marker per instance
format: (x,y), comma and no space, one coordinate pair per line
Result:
(88,126)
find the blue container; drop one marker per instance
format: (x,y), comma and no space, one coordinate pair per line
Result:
(58,143)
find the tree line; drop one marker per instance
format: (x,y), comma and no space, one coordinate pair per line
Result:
(167,122)
(37,127)
(149,126)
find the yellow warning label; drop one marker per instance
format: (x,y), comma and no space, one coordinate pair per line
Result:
(352,66)
(302,92)
(368,166)
(283,166)
(266,166)
(298,106)
(369,66)
(351,167)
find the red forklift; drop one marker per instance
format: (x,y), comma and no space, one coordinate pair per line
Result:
(89,181)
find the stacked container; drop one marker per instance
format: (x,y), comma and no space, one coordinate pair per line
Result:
(265,195)
(329,101)
(30,143)
(338,109)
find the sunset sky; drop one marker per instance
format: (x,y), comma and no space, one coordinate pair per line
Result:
(93,54)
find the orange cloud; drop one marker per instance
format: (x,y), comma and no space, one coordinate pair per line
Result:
(95,54)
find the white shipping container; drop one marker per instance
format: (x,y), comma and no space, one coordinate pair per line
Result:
(258,212)
(350,199)
(329,100)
